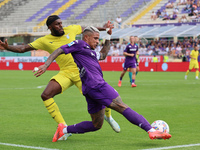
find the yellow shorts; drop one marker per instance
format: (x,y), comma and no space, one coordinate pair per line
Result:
(193,65)
(66,79)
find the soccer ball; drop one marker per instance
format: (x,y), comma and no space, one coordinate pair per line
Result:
(151,69)
(161,126)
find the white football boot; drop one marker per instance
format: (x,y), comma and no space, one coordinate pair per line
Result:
(115,126)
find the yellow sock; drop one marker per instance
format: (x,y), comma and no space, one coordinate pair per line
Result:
(187,72)
(197,73)
(54,111)
(108,112)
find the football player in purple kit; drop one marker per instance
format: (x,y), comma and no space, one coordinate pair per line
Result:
(97,92)
(130,61)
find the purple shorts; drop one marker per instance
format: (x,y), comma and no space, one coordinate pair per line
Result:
(99,97)
(129,65)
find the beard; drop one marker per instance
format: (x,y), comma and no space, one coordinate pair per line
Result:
(57,33)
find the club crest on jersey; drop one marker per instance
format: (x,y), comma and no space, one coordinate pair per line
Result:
(67,36)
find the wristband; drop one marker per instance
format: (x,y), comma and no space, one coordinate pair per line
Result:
(107,37)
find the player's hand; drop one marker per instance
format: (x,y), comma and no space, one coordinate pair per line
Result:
(110,28)
(4,45)
(41,70)
(132,55)
(109,25)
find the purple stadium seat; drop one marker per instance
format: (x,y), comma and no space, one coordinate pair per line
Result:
(68,12)
(133,8)
(53,5)
(84,13)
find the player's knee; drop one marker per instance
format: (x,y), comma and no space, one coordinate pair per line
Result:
(98,126)
(98,123)
(45,96)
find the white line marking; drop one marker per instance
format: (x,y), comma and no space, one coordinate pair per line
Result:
(24,146)
(171,147)
(38,87)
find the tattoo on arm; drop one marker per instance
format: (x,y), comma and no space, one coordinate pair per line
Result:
(53,56)
(104,51)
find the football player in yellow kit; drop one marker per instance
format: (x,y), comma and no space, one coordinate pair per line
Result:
(194,62)
(68,74)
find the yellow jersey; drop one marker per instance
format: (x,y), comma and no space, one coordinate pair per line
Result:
(194,54)
(50,43)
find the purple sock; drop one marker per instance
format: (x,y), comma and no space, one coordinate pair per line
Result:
(120,78)
(82,127)
(133,80)
(136,119)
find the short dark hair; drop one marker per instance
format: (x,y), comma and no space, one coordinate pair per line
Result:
(51,19)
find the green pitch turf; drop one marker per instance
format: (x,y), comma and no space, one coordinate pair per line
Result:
(166,96)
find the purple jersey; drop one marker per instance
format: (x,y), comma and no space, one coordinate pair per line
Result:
(87,61)
(130,62)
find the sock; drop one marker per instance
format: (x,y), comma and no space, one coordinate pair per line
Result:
(133,80)
(130,76)
(197,73)
(120,78)
(187,72)
(136,73)
(82,127)
(54,111)
(108,112)
(136,119)
(152,130)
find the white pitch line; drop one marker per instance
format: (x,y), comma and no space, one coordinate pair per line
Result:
(172,147)
(28,88)
(24,146)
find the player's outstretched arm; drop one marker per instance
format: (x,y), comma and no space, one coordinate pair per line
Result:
(51,58)
(16,49)
(106,26)
(105,49)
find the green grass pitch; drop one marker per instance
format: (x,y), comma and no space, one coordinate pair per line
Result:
(158,96)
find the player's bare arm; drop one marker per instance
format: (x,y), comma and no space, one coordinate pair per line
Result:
(104,51)
(16,49)
(50,59)
(106,26)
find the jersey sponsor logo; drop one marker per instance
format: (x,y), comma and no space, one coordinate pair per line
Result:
(133,49)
